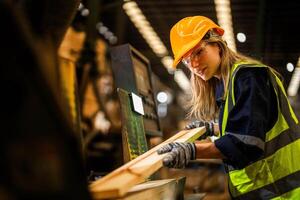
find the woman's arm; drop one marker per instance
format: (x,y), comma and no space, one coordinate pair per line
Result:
(205,150)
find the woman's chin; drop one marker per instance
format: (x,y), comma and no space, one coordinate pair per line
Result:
(204,77)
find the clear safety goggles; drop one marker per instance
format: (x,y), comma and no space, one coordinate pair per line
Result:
(196,54)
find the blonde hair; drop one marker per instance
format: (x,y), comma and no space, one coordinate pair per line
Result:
(203,102)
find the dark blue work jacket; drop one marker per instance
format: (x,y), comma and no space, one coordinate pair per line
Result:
(254,114)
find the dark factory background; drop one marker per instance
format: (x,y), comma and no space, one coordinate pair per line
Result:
(69,66)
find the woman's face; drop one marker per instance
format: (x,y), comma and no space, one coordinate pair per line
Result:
(204,60)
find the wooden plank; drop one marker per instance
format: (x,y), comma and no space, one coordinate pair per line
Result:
(118,182)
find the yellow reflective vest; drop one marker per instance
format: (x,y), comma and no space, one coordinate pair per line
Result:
(277,174)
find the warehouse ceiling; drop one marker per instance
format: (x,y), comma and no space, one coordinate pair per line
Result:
(271,28)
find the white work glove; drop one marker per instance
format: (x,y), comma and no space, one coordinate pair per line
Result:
(178,154)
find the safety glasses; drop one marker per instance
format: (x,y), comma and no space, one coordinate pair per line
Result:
(196,54)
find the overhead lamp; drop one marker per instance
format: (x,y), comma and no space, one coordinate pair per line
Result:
(224,17)
(136,16)
(295,81)
(106,33)
(103,29)
(129,5)
(290,67)
(167,61)
(182,80)
(162,97)
(80,6)
(144,27)
(241,37)
(85,12)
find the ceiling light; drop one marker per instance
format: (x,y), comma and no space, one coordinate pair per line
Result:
(85,12)
(103,29)
(168,62)
(295,81)
(106,33)
(80,6)
(129,5)
(162,97)
(224,17)
(182,80)
(290,67)
(144,27)
(113,40)
(241,37)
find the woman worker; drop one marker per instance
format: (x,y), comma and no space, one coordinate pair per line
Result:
(259,132)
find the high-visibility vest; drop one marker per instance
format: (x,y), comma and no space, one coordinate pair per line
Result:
(276,175)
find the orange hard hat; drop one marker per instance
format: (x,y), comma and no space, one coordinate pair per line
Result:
(188,32)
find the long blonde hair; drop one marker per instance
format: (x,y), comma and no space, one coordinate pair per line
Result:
(203,102)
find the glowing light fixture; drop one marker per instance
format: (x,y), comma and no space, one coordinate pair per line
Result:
(295,81)
(137,17)
(142,24)
(290,67)
(224,17)
(162,97)
(181,78)
(241,37)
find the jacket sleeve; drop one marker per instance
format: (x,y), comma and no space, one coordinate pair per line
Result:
(253,115)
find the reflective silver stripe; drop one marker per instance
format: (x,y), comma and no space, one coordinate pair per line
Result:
(275,189)
(248,139)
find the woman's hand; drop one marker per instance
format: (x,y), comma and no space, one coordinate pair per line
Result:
(210,127)
(178,154)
